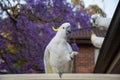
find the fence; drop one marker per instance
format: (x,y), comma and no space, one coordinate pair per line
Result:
(56,77)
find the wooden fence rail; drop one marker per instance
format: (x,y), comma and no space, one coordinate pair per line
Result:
(56,77)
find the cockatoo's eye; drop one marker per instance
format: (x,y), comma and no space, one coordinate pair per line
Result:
(63,27)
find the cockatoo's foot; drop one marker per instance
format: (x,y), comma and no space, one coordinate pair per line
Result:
(60,74)
(73,54)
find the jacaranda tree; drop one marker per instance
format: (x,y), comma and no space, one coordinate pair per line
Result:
(27,30)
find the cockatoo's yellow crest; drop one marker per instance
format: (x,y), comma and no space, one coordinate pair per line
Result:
(53,28)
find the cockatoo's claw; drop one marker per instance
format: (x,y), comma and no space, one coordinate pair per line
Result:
(73,54)
(60,74)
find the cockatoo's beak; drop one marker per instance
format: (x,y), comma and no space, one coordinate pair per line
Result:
(68,31)
(53,28)
(92,22)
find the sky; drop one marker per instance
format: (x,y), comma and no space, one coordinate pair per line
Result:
(108,6)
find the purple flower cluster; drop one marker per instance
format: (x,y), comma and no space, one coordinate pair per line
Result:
(22,42)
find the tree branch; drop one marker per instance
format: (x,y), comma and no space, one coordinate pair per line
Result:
(6,10)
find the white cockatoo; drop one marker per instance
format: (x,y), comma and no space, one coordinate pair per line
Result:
(96,41)
(100,22)
(58,53)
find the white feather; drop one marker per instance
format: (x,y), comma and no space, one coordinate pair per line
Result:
(101,22)
(97,41)
(57,55)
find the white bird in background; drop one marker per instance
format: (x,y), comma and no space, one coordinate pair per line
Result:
(58,53)
(96,41)
(100,22)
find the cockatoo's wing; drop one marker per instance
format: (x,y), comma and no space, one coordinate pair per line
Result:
(48,68)
(97,41)
(73,53)
(69,47)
